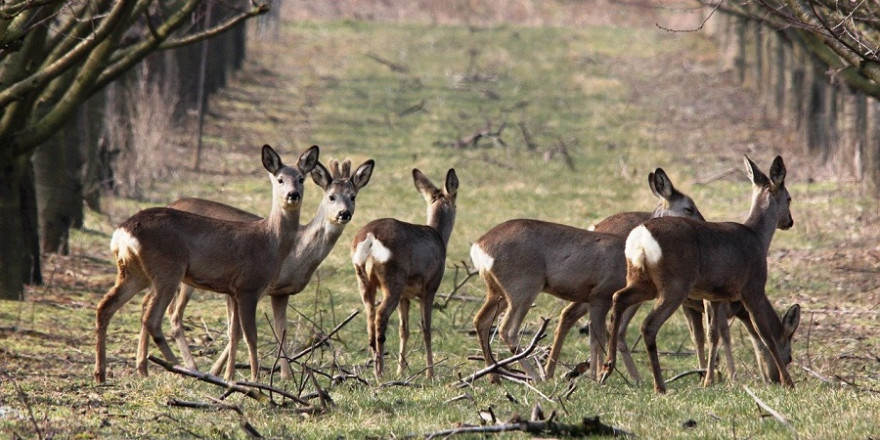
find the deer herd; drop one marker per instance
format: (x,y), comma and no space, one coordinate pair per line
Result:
(713,271)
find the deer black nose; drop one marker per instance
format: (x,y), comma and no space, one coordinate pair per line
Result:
(293,197)
(343,216)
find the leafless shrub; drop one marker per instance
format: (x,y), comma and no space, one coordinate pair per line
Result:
(140,127)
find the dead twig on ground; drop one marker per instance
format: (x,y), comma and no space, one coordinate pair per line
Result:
(217,405)
(527,136)
(589,426)
(769,410)
(699,371)
(456,285)
(496,367)
(325,338)
(399,68)
(249,389)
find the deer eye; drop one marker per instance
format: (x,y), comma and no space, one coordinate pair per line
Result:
(352,198)
(302,179)
(689,210)
(332,198)
(280,180)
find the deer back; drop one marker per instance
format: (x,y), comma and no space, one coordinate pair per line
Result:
(567,261)
(672,202)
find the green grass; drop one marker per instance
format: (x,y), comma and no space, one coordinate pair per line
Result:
(576,86)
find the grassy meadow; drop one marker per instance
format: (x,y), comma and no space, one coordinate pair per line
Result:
(618,101)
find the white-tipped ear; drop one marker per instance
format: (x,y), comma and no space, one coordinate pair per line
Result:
(660,184)
(271,160)
(424,185)
(363,173)
(308,159)
(755,175)
(321,176)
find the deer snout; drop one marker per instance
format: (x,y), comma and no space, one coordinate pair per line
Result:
(343,216)
(293,197)
(786,223)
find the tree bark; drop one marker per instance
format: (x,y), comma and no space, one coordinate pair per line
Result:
(19,258)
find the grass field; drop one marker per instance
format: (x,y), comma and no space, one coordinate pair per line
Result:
(619,101)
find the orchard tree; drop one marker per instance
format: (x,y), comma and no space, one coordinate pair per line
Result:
(54,55)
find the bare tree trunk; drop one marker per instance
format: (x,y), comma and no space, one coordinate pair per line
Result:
(19,251)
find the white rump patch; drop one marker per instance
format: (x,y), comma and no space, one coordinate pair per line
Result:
(642,247)
(482,261)
(124,245)
(591,228)
(370,247)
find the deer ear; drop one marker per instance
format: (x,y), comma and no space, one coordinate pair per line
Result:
(423,184)
(755,175)
(451,182)
(777,171)
(791,320)
(308,159)
(362,175)
(321,176)
(271,160)
(660,184)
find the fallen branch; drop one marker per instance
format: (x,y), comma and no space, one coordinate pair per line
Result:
(324,339)
(245,424)
(516,357)
(249,389)
(714,177)
(589,426)
(389,64)
(456,285)
(700,371)
(769,410)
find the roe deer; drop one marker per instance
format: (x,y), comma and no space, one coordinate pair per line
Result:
(672,259)
(519,259)
(163,247)
(407,261)
(314,241)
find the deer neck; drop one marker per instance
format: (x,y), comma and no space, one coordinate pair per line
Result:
(318,236)
(763,217)
(282,225)
(442,219)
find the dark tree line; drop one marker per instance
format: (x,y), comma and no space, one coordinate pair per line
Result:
(59,62)
(816,62)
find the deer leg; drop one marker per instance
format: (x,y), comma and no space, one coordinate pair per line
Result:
(625,298)
(231,320)
(492,307)
(598,332)
(279,318)
(403,332)
(234,328)
(157,304)
(247,317)
(368,297)
(177,331)
(427,309)
(623,347)
(392,294)
(713,316)
(693,313)
(126,287)
(724,329)
(519,301)
(569,316)
(667,303)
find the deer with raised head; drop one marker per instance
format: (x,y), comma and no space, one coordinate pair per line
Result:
(673,259)
(672,202)
(164,247)
(406,261)
(519,259)
(314,241)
